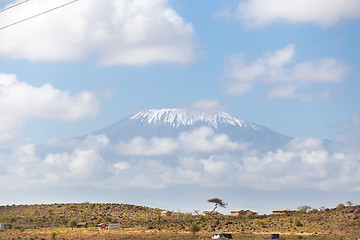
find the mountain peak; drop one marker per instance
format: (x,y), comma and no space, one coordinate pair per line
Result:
(171,123)
(177,117)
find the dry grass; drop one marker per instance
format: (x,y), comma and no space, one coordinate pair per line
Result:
(77,234)
(46,221)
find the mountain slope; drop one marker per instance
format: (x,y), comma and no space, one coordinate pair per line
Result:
(171,122)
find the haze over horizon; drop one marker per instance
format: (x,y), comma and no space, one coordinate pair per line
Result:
(86,65)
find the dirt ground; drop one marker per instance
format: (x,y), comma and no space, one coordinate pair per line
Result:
(96,234)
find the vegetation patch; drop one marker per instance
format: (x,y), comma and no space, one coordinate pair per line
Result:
(80,221)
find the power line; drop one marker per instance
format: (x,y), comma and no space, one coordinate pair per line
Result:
(15,5)
(37,15)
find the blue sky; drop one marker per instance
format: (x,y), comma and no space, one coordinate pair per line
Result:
(292,66)
(217,33)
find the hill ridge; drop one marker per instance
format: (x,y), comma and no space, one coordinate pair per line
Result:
(342,220)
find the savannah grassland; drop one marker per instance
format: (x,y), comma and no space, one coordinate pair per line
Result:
(58,221)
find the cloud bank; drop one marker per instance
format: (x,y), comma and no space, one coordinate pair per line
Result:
(196,158)
(130,32)
(20,102)
(284,79)
(326,13)
(202,140)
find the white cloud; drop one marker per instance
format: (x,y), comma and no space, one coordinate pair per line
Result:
(257,13)
(85,162)
(80,164)
(280,170)
(285,80)
(21,168)
(120,166)
(131,32)
(97,142)
(304,143)
(301,168)
(202,140)
(20,102)
(214,166)
(205,140)
(25,167)
(303,164)
(143,147)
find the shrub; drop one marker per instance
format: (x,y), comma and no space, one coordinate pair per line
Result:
(297,222)
(340,206)
(53,235)
(64,221)
(304,208)
(108,219)
(314,210)
(202,218)
(73,223)
(194,228)
(18,228)
(158,217)
(260,223)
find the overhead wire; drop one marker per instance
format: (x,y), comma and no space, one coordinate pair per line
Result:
(12,6)
(37,15)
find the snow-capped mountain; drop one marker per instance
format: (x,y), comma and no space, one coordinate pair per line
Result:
(181,117)
(171,122)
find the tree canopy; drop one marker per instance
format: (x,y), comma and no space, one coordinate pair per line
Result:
(217,202)
(304,208)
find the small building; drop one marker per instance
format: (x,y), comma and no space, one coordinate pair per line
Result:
(82,225)
(236,213)
(281,211)
(114,226)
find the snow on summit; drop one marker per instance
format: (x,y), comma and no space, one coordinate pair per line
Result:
(172,123)
(183,117)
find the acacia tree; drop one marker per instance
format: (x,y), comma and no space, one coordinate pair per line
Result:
(304,208)
(217,202)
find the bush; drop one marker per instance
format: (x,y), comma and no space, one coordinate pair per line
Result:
(304,208)
(64,221)
(260,223)
(314,210)
(340,206)
(297,222)
(53,235)
(108,219)
(202,218)
(194,229)
(73,223)
(18,228)
(158,217)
